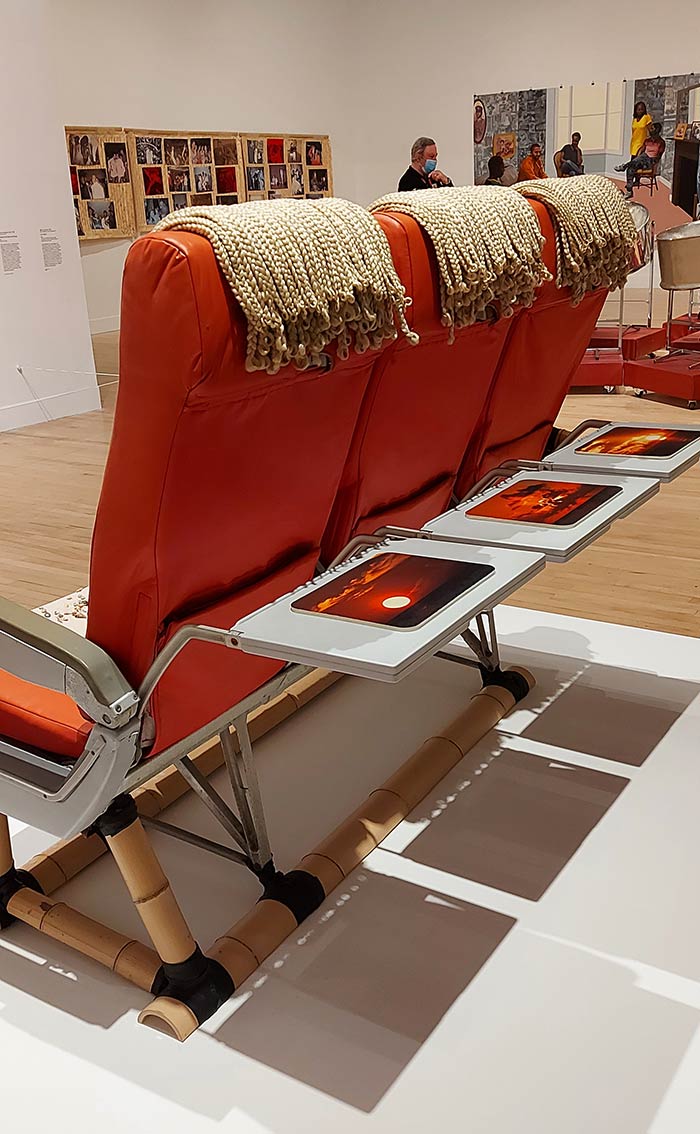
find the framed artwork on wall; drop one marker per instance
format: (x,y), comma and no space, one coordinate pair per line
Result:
(479,121)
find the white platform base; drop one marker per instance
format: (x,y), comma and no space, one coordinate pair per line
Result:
(521,956)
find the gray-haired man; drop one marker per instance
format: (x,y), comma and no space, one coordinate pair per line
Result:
(423,173)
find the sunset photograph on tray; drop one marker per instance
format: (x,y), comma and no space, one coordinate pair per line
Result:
(628,441)
(556,503)
(400,591)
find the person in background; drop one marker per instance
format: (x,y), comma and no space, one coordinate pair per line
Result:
(496,170)
(572,157)
(532,166)
(641,128)
(651,152)
(423,173)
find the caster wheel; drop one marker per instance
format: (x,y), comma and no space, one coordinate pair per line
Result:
(692,405)
(609,389)
(640,394)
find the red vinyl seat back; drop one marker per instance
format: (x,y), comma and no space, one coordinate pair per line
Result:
(543,351)
(218,484)
(422,407)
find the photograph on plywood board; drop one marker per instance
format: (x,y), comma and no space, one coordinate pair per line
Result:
(200,151)
(178,179)
(84,149)
(225,151)
(255,177)
(400,591)
(256,151)
(153,181)
(177,152)
(318,180)
(156,209)
(117,163)
(149,150)
(101,215)
(226,179)
(314,153)
(201,198)
(179,201)
(93,184)
(227,199)
(202,178)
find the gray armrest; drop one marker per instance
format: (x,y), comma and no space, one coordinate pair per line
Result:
(47,654)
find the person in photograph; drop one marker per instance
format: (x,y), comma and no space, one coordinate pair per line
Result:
(532,166)
(293,154)
(496,170)
(423,172)
(318,180)
(88,151)
(78,221)
(202,179)
(297,177)
(152,181)
(314,153)
(572,157)
(117,169)
(479,121)
(641,128)
(650,154)
(256,179)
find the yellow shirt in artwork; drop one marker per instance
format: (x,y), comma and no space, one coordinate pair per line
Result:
(640,130)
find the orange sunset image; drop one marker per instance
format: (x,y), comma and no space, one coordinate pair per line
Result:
(544,502)
(626,441)
(394,590)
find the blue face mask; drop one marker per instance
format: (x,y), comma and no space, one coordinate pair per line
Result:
(430,165)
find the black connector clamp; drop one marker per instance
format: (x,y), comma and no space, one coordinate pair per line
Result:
(10,883)
(508,679)
(120,814)
(199,982)
(299,891)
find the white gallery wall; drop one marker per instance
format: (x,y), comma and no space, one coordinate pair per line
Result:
(46,364)
(373,75)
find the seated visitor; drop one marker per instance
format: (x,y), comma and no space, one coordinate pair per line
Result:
(532,166)
(652,151)
(572,157)
(496,170)
(423,173)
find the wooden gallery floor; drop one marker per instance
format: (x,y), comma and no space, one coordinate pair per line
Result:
(645,572)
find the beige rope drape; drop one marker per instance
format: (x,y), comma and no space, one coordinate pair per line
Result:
(306,274)
(594,230)
(488,246)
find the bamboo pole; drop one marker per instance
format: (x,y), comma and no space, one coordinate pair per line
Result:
(122,955)
(270,922)
(151,893)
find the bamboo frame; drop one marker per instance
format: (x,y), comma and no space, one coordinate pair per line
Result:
(242,948)
(119,193)
(289,161)
(178,167)
(252,939)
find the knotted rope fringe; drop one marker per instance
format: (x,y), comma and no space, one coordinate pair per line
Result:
(306,274)
(488,246)
(594,230)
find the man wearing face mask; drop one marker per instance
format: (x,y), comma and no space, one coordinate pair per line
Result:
(423,173)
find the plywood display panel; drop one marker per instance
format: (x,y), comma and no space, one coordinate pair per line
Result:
(287,165)
(100,173)
(175,169)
